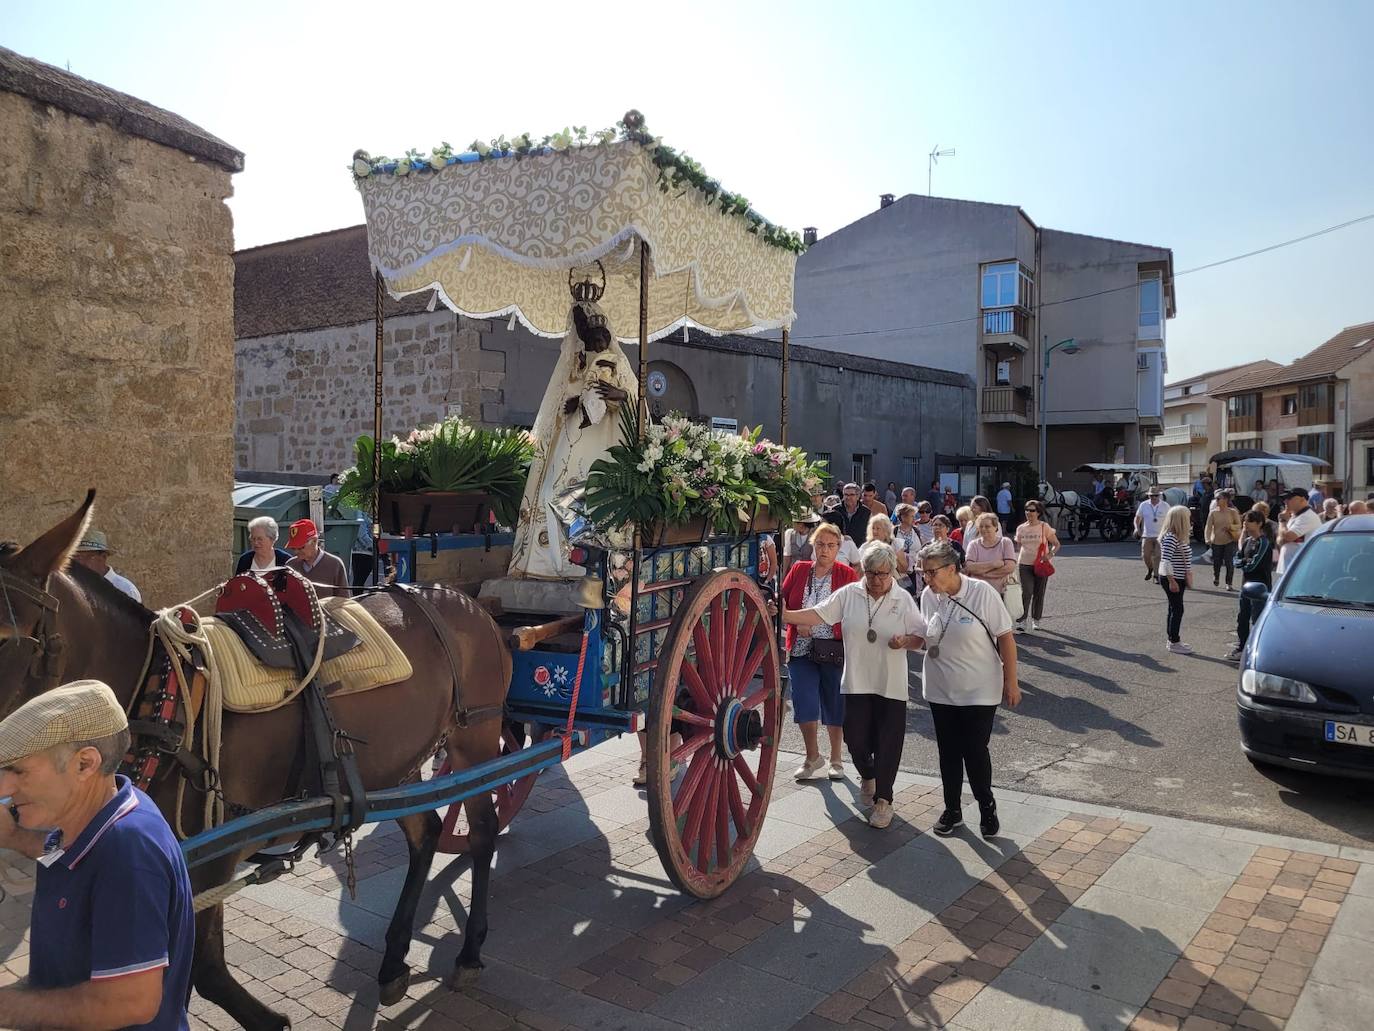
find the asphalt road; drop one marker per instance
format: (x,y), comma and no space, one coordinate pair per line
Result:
(1109,716)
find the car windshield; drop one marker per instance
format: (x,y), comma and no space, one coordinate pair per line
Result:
(1334,569)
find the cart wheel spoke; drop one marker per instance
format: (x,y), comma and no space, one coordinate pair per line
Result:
(705,665)
(509,797)
(690,746)
(737,804)
(696,773)
(701,697)
(721,639)
(747,775)
(717,618)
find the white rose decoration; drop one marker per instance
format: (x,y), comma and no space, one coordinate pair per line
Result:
(361,168)
(403,167)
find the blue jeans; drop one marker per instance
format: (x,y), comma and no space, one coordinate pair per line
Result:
(816,692)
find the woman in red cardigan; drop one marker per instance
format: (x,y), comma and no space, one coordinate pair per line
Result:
(816,696)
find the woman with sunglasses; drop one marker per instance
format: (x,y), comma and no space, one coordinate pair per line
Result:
(879,623)
(1031,536)
(970,668)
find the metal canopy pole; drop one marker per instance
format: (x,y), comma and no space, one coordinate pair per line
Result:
(377,374)
(643,402)
(782,408)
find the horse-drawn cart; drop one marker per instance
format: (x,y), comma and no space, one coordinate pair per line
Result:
(662,634)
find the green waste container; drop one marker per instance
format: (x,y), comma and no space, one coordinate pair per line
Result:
(285,504)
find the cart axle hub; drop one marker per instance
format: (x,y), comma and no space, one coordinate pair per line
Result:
(737,729)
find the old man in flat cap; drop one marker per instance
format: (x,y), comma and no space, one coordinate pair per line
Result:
(112,928)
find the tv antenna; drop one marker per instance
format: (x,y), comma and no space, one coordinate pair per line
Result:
(935,155)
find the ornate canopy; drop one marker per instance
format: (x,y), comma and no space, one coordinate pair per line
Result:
(500,235)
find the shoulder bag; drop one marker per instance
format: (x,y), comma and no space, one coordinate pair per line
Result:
(1043,565)
(825,651)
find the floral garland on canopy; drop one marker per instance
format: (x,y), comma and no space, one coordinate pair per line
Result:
(684,470)
(675,168)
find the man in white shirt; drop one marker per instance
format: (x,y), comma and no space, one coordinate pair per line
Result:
(1148,518)
(1302,521)
(94,553)
(1259,493)
(1004,508)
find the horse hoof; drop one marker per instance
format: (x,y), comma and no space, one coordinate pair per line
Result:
(464,977)
(394,991)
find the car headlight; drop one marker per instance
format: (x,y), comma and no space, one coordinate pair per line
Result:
(1267,685)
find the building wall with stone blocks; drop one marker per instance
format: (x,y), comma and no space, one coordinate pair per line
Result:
(116,332)
(301,399)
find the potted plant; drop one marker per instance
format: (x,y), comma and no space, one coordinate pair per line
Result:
(684,481)
(450,476)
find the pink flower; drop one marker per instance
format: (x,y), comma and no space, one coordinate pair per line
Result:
(760,448)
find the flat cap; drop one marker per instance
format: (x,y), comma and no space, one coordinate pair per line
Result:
(84,710)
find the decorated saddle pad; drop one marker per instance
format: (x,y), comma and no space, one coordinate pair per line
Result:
(249,686)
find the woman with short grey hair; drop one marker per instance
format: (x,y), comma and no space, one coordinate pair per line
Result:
(876,618)
(970,668)
(262,553)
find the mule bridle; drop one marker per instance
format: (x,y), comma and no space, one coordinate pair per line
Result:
(45,646)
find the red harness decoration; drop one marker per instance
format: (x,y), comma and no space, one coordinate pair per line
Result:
(161,699)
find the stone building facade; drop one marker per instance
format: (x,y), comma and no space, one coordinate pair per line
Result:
(116,337)
(304,389)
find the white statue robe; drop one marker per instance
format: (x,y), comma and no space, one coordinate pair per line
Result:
(567,450)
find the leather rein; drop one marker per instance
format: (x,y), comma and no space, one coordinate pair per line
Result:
(44,647)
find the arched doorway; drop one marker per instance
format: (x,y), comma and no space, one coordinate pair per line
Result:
(670,390)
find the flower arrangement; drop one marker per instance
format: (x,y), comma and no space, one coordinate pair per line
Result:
(451,456)
(683,470)
(675,169)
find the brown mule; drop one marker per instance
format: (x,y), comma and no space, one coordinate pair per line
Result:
(96,631)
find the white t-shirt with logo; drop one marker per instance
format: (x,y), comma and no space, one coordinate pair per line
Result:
(1303,524)
(871,667)
(966,667)
(1151,516)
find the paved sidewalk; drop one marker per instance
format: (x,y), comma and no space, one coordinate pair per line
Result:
(1077,917)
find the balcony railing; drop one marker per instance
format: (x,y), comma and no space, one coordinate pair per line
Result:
(1179,474)
(1006,322)
(1006,402)
(1185,434)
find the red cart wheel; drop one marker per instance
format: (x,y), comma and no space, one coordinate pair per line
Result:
(509,797)
(718,687)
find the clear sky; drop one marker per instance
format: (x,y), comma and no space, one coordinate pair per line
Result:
(1209,127)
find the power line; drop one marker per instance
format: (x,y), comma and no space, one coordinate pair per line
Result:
(1100,293)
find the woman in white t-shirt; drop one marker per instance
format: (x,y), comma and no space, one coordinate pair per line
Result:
(880,622)
(970,667)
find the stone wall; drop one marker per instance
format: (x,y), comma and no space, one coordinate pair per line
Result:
(116,344)
(301,399)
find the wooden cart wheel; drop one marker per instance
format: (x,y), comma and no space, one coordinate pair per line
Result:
(509,797)
(718,686)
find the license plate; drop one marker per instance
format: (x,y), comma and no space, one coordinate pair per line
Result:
(1350,733)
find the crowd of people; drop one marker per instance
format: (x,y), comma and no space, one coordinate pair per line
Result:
(868,578)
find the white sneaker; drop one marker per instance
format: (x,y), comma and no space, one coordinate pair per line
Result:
(810,769)
(881,815)
(837,771)
(1035,624)
(1234,654)
(1179,648)
(1020,626)
(867,789)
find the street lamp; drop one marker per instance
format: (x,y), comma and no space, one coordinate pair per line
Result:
(1069,346)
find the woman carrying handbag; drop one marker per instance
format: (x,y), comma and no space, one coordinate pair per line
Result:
(816,653)
(1039,544)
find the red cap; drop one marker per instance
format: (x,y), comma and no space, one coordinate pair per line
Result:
(302,530)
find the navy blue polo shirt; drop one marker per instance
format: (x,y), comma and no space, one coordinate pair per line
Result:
(116,902)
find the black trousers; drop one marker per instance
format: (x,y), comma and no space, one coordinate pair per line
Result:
(1173,620)
(1246,615)
(1223,555)
(1032,593)
(874,732)
(961,735)
(362,568)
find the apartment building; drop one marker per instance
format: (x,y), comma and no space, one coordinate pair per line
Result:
(1193,422)
(982,290)
(1321,405)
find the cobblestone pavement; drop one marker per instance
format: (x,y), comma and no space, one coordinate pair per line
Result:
(1079,916)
